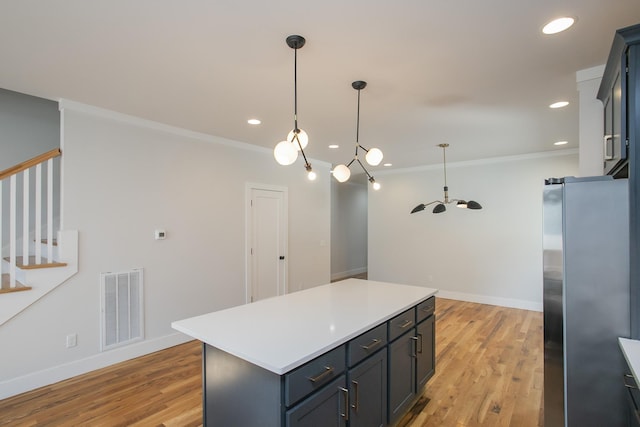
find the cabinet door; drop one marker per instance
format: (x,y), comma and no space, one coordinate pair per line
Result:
(368,392)
(327,407)
(425,352)
(402,375)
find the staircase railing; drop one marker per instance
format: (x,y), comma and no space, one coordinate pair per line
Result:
(11,174)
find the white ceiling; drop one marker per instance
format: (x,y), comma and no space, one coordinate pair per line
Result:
(477,74)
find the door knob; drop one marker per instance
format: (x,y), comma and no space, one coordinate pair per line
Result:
(281,256)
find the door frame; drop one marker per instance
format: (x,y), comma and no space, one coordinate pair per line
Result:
(249,186)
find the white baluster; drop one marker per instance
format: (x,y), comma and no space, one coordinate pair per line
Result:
(1,227)
(12,232)
(25,217)
(38,238)
(50,210)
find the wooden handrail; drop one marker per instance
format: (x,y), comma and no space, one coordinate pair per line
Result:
(30,163)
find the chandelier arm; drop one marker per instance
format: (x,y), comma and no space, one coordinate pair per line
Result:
(444,158)
(352,160)
(363,168)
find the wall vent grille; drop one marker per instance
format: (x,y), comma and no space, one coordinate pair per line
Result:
(122,308)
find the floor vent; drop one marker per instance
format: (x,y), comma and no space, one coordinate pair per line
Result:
(122,308)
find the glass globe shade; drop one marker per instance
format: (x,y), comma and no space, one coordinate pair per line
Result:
(285,153)
(302,136)
(376,186)
(374,157)
(312,176)
(341,173)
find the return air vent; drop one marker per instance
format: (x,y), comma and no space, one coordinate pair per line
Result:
(122,308)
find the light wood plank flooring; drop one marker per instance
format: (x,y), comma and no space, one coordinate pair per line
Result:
(489,372)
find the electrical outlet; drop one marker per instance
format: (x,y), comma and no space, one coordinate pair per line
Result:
(72,340)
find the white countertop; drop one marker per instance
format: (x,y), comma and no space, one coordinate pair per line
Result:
(282,333)
(631,350)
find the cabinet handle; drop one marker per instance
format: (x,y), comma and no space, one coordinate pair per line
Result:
(374,343)
(357,397)
(608,147)
(415,346)
(344,414)
(626,384)
(421,340)
(406,324)
(328,370)
(427,309)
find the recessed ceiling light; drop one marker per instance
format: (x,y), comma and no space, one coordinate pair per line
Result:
(561,143)
(387,164)
(558,25)
(334,146)
(254,121)
(559,104)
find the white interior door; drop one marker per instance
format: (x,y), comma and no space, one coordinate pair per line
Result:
(267,237)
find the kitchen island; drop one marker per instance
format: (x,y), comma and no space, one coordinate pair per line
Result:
(354,352)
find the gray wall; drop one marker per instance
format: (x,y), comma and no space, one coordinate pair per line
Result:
(28,126)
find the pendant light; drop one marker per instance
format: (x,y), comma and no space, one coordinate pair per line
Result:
(441,205)
(374,156)
(286,152)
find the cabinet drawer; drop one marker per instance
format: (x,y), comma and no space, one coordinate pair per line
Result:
(313,375)
(366,344)
(402,323)
(426,309)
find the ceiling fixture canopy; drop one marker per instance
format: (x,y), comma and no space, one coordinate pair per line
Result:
(286,152)
(441,205)
(374,155)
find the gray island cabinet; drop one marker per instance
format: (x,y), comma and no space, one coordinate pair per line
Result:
(351,353)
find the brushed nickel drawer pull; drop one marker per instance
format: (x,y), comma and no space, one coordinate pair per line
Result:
(344,415)
(426,309)
(626,384)
(357,397)
(374,343)
(406,324)
(415,347)
(328,370)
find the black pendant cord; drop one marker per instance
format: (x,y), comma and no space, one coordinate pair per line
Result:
(296,131)
(444,162)
(295,92)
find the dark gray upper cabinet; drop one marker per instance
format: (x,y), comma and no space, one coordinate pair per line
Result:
(623,71)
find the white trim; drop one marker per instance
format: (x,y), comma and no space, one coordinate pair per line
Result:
(487,161)
(65,104)
(65,371)
(592,73)
(491,300)
(346,274)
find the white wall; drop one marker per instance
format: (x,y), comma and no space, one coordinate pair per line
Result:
(493,255)
(348,227)
(123,178)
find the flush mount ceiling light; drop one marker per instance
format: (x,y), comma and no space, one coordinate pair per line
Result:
(286,152)
(441,205)
(559,104)
(373,157)
(558,25)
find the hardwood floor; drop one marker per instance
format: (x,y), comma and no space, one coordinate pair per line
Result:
(489,372)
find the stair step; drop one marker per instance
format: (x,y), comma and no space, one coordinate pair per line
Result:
(5,289)
(32,263)
(54,242)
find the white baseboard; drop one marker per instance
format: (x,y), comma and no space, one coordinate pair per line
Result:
(49,376)
(348,273)
(485,299)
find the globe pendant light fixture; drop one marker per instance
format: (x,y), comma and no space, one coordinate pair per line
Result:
(286,152)
(373,157)
(441,205)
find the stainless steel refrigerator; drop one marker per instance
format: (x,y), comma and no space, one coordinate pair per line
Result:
(586,300)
